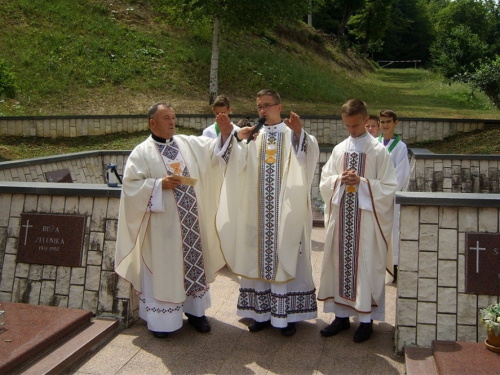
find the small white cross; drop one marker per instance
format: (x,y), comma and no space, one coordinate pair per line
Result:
(27,226)
(476,249)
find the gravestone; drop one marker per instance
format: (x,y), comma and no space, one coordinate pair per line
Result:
(482,263)
(51,239)
(62,175)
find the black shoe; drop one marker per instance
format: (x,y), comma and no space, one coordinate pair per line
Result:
(395,280)
(363,332)
(338,325)
(200,323)
(160,335)
(258,326)
(289,330)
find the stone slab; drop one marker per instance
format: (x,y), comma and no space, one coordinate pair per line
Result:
(30,330)
(62,175)
(458,357)
(482,263)
(51,239)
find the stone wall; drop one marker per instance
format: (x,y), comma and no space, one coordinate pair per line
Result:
(431,300)
(93,285)
(327,129)
(453,173)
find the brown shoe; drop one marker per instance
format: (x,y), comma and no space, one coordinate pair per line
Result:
(338,325)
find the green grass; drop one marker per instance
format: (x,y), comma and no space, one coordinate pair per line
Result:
(97,57)
(16,148)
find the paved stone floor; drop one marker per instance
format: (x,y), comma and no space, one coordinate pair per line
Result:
(231,349)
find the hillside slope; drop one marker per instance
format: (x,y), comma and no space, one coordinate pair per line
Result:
(96,57)
(102,57)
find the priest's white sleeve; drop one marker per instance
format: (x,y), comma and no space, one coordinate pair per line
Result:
(156,199)
(223,151)
(299,147)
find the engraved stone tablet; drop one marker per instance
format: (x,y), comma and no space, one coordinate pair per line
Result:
(482,263)
(51,239)
(63,175)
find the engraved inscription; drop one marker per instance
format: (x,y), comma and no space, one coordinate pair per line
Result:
(51,239)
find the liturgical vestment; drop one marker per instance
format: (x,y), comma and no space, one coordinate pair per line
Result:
(167,246)
(265,222)
(359,227)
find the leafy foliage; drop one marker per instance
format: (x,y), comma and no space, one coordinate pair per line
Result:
(486,78)
(8,86)
(457,52)
(490,316)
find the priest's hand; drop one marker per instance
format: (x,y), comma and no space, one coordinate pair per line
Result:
(295,124)
(349,177)
(170,182)
(225,126)
(245,132)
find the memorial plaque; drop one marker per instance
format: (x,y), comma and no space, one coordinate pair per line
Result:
(51,239)
(63,175)
(482,263)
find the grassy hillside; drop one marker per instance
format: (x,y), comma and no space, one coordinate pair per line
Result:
(103,57)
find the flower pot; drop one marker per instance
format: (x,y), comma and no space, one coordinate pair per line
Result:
(493,338)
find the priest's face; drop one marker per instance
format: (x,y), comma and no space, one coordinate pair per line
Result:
(355,124)
(163,123)
(268,108)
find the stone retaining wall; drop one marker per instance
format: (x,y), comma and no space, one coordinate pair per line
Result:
(327,129)
(93,285)
(453,173)
(431,300)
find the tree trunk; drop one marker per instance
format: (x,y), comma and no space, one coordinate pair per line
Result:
(214,66)
(345,18)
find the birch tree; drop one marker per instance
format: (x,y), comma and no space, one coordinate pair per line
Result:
(226,15)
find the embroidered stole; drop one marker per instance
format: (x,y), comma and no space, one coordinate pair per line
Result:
(397,138)
(349,220)
(270,174)
(187,207)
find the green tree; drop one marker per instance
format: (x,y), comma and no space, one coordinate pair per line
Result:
(410,32)
(231,15)
(487,79)
(369,25)
(458,51)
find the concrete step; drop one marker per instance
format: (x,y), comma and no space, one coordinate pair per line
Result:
(452,357)
(73,348)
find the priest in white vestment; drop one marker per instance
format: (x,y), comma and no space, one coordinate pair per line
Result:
(167,246)
(399,156)
(358,185)
(265,220)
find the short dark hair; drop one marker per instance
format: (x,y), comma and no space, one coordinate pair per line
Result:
(244,122)
(276,97)
(388,113)
(221,101)
(373,117)
(354,107)
(152,110)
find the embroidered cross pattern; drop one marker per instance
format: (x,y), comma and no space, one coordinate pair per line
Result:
(270,174)
(349,230)
(185,196)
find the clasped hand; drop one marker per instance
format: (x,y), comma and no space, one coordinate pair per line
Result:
(349,177)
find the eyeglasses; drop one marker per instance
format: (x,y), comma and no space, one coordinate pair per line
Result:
(265,106)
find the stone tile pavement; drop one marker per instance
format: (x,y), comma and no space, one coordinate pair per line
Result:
(231,349)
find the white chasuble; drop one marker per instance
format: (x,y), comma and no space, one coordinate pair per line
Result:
(170,232)
(265,221)
(359,224)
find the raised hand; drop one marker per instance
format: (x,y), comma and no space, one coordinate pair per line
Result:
(294,123)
